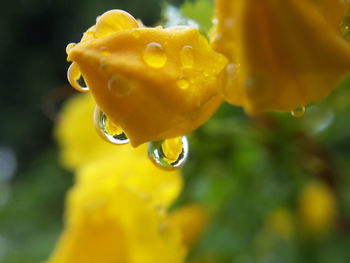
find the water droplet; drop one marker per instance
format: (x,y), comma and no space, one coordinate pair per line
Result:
(345,29)
(169,153)
(298,112)
(69,47)
(119,86)
(76,79)
(182,83)
(154,55)
(107,129)
(114,21)
(187,57)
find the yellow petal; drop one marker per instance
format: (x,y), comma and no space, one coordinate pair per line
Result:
(284,54)
(119,227)
(317,209)
(155,83)
(133,170)
(116,212)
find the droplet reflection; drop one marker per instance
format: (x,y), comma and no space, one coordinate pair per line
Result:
(298,112)
(75,78)
(170,153)
(154,55)
(108,130)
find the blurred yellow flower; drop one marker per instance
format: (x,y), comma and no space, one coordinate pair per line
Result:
(317,209)
(154,83)
(283,54)
(117,209)
(133,170)
(280,222)
(117,212)
(119,226)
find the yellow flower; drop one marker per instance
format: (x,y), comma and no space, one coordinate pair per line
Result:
(317,209)
(75,133)
(128,168)
(154,83)
(283,54)
(280,222)
(117,212)
(120,227)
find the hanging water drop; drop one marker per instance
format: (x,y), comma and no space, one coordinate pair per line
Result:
(75,78)
(169,153)
(298,112)
(187,57)
(154,55)
(107,129)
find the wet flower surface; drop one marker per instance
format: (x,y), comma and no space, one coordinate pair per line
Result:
(283,54)
(154,83)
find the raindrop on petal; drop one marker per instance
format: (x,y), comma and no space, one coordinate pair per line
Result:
(108,130)
(154,55)
(119,86)
(298,112)
(169,153)
(75,78)
(114,21)
(187,57)
(182,83)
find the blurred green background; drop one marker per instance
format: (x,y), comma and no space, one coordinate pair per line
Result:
(250,173)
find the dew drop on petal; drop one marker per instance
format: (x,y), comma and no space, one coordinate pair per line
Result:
(154,55)
(298,112)
(114,21)
(76,79)
(187,57)
(169,153)
(119,86)
(182,83)
(108,130)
